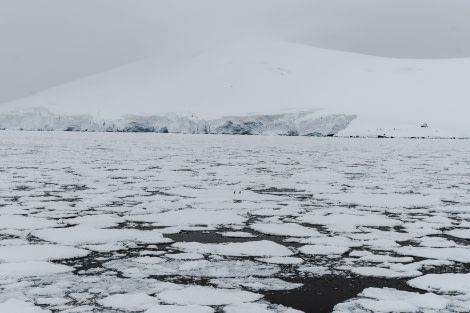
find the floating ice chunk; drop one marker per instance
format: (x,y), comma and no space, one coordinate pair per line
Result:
(149,260)
(97,220)
(275,211)
(180,309)
(435,242)
(13,242)
(389,200)
(444,283)
(460,233)
(184,256)
(207,296)
(452,254)
(255,283)
(129,301)
(285,229)
(52,301)
(422,228)
(192,217)
(194,265)
(247,308)
(237,234)
(82,234)
(282,260)
(24,222)
(432,263)
(381,244)
(39,253)
(347,221)
(328,241)
(18,306)
(315,270)
(411,268)
(252,248)
(216,269)
(359,253)
(377,258)
(387,306)
(388,300)
(107,247)
(31,268)
(429,301)
(384,272)
(323,250)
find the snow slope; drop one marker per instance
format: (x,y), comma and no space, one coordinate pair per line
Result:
(259,87)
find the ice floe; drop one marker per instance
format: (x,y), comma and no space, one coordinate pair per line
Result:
(252,248)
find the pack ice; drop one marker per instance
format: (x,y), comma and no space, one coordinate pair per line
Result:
(106,222)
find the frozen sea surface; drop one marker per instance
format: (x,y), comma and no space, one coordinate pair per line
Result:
(106,222)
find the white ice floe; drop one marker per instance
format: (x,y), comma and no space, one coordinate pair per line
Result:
(338,240)
(184,256)
(44,252)
(388,300)
(285,229)
(82,234)
(255,283)
(129,302)
(315,270)
(149,260)
(180,309)
(106,247)
(348,221)
(97,220)
(252,248)
(247,308)
(282,260)
(207,296)
(323,250)
(443,283)
(435,242)
(24,222)
(380,258)
(31,268)
(194,265)
(459,254)
(192,217)
(237,234)
(197,268)
(374,271)
(460,233)
(18,306)
(389,200)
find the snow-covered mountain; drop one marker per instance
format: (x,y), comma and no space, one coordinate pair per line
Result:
(260,87)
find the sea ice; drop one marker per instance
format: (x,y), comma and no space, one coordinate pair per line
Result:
(39,252)
(207,296)
(443,283)
(31,268)
(254,248)
(18,306)
(129,302)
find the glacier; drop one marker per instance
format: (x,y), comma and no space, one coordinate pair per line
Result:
(262,88)
(304,123)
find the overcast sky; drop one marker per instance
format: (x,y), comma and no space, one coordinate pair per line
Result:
(49,42)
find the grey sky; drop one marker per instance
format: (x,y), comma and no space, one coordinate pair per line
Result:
(49,42)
